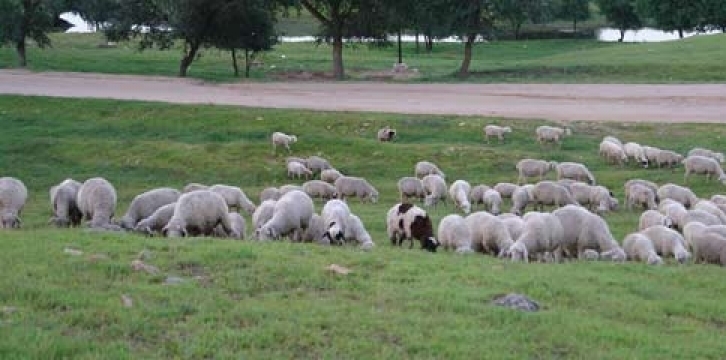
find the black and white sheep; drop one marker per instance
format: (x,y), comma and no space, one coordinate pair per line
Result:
(291,217)
(13,195)
(144,204)
(409,222)
(198,213)
(63,201)
(335,213)
(97,201)
(386,134)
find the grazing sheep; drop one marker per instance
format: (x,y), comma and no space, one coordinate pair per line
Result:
(291,217)
(695,164)
(411,187)
(284,189)
(459,193)
(13,195)
(489,234)
(63,200)
(640,195)
(574,171)
(651,218)
(154,223)
(651,185)
(551,193)
(551,134)
(194,186)
(529,168)
(319,189)
(667,242)
(197,213)
(678,193)
(347,186)
(296,170)
(505,189)
(270,193)
(409,222)
(238,224)
(143,205)
(521,198)
(282,139)
(335,213)
(597,198)
(436,191)
(613,153)
(476,195)
(635,151)
(330,175)
(356,231)
(263,213)
(394,222)
(454,234)
(584,230)
(674,211)
(317,164)
(495,130)
(707,153)
(514,224)
(97,201)
(701,216)
(386,134)
(708,247)
(316,231)
(638,247)
(711,208)
(668,158)
(542,234)
(651,153)
(424,168)
(234,196)
(493,201)
(613,140)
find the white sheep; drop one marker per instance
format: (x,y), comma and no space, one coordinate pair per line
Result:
(505,189)
(708,246)
(330,175)
(282,139)
(411,187)
(638,247)
(144,204)
(197,213)
(436,191)
(155,223)
(316,231)
(612,152)
(496,130)
(476,195)
(270,193)
(667,242)
(521,198)
(454,234)
(386,134)
(347,186)
(542,234)
(238,224)
(529,168)
(668,158)
(489,234)
(97,201)
(635,151)
(597,198)
(459,194)
(678,193)
(551,134)
(651,218)
(424,168)
(284,189)
(551,193)
(613,139)
(335,214)
(574,171)
(291,217)
(356,231)
(63,201)
(319,189)
(317,164)
(707,153)
(640,195)
(493,201)
(13,195)
(651,185)
(234,196)
(296,170)
(674,211)
(712,208)
(584,230)
(651,153)
(701,216)
(514,224)
(263,213)
(695,164)
(194,186)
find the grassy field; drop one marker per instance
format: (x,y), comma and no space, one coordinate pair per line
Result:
(696,59)
(275,300)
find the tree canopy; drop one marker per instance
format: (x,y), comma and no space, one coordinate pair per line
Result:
(621,14)
(26,19)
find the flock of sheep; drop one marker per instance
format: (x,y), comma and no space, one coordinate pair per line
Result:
(675,222)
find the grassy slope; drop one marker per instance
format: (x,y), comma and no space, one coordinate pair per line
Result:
(275,300)
(691,60)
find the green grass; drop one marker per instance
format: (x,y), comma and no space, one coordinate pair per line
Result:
(275,300)
(696,59)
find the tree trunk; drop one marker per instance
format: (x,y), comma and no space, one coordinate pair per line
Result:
(247,63)
(680,33)
(418,48)
(188,58)
(574,27)
(517,27)
(622,35)
(400,50)
(468,45)
(234,62)
(338,70)
(20,48)
(429,43)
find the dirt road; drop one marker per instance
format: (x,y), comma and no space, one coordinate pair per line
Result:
(611,102)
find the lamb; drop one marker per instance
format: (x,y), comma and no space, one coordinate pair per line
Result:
(651,218)
(551,193)
(521,198)
(319,189)
(291,216)
(435,187)
(97,201)
(263,213)
(409,187)
(542,234)
(496,130)
(635,151)
(454,234)
(317,164)
(668,158)
(681,194)
(489,234)
(638,247)
(551,134)
(143,205)
(514,224)
(612,152)
(667,242)
(155,223)
(296,170)
(529,168)
(584,230)
(424,168)
(409,222)
(235,197)
(459,193)
(574,171)
(13,195)
(282,139)
(330,175)
(708,246)
(63,201)
(194,186)
(386,134)
(476,195)
(355,231)
(335,214)
(238,227)
(695,164)
(505,189)
(270,193)
(640,195)
(707,153)
(346,186)
(493,201)
(198,213)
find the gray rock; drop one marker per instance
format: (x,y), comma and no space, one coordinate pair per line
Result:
(517,302)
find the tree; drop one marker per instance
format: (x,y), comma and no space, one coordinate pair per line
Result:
(517,12)
(621,14)
(469,19)
(672,15)
(715,15)
(575,10)
(26,19)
